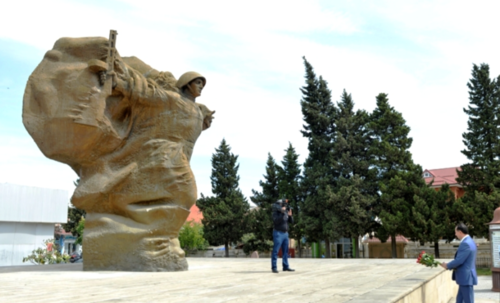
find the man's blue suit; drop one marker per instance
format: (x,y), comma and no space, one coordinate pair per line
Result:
(464,270)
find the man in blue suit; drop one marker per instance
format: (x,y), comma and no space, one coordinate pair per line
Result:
(464,265)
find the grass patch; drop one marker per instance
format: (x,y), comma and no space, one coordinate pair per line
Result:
(483,271)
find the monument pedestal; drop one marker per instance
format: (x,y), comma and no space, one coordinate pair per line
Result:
(118,243)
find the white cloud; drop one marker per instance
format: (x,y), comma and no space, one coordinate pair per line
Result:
(244,18)
(23,163)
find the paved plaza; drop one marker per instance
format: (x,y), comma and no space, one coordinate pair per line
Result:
(231,280)
(483,293)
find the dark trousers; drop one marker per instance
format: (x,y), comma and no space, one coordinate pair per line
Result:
(465,294)
(280,239)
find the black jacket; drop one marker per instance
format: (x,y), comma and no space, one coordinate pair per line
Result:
(281,220)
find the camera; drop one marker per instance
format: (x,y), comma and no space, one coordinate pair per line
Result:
(278,206)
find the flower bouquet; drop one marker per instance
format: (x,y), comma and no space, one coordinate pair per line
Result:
(427,260)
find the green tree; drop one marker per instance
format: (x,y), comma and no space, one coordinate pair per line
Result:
(352,198)
(476,209)
(224,212)
(191,236)
(79,230)
(398,200)
(318,112)
(481,176)
(436,214)
(261,216)
(251,244)
(289,188)
(74,217)
(399,178)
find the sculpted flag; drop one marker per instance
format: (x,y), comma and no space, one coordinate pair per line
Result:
(128,131)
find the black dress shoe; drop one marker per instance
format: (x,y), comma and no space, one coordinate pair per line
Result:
(288,269)
(276,271)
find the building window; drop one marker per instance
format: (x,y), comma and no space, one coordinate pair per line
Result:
(427,175)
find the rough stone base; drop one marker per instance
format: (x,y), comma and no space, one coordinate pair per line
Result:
(115,243)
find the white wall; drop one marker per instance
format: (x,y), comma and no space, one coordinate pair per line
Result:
(20,203)
(19,239)
(27,218)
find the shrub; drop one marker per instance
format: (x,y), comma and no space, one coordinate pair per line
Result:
(47,255)
(191,236)
(251,244)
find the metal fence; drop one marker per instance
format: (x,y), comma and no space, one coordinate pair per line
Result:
(483,262)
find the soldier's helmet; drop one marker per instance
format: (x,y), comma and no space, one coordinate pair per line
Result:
(188,77)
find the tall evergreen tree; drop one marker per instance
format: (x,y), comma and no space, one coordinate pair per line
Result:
(397,208)
(318,111)
(476,209)
(224,213)
(289,188)
(399,178)
(436,215)
(481,176)
(349,209)
(352,198)
(391,144)
(262,223)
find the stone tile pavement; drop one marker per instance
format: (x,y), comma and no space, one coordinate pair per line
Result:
(483,292)
(223,280)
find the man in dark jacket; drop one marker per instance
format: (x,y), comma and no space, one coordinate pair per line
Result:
(281,219)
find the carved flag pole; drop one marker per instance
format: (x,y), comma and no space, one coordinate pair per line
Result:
(111,58)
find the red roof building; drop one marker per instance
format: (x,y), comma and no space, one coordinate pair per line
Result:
(196,215)
(440,176)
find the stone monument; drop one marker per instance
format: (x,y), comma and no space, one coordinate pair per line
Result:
(128,131)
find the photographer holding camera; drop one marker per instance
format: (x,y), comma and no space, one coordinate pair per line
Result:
(282,216)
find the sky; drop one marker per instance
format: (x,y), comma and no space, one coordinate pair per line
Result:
(418,52)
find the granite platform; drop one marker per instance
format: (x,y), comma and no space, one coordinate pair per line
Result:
(235,280)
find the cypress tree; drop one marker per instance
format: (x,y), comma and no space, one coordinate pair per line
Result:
(224,212)
(261,217)
(480,177)
(289,188)
(399,178)
(444,217)
(318,111)
(398,204)
(435,214)
(349,208)
(391,144)
(352,198)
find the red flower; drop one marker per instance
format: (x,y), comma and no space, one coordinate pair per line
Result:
(427,260)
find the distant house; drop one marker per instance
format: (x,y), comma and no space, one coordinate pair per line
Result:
(66,241)
(440,176)
(196,215)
